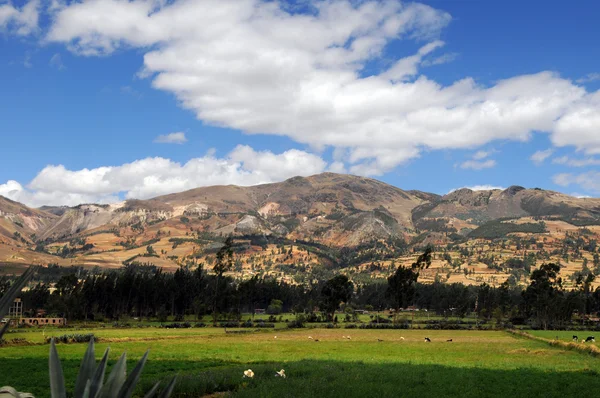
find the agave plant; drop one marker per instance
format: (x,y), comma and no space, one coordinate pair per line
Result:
(9,392)
(90,380)
(8,298)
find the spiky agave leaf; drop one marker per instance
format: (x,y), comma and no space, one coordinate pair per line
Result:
(86,370)
(86,390)
(115,380)
(152,392)
(8,298)
(129,385)
(57,379)
(3,329)
(98,378)
(169,390)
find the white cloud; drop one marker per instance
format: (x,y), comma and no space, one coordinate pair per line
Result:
(481,155)
(583,162)
(258,67)
(479,161)
(442,59)
(172,138)
(149,177)
(590,77)
(479,188)
(580,126)
(540,156)
(478,165)
(20,21)
(589,181)
(580,196)
(56,62)
(406,68)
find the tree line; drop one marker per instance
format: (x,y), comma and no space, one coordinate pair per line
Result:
(144,291)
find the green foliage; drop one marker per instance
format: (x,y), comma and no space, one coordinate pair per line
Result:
(90,380)
(335,291)
(498,229)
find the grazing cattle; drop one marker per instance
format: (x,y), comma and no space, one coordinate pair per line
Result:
(575,338)
(310,337)
(316,339)
(590,339)
(402,338)
(427,340)
(449,341)
(379,340)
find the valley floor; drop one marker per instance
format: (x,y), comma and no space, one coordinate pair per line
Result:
(321,362)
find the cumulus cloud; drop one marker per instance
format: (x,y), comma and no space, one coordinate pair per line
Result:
(56,62)
(442,59)
(479,188)
(590,77)
(479,161)
(583,162)
(149,177)
(21,21)
(255,66)
(481,155)
(478,165)
(580,125)
(172,138)
(540,156)
(589,181)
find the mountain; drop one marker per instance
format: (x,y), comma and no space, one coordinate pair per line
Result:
(336,219)
(18,222)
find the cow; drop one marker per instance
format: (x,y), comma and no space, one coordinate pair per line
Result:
(575,338)
(449,341)
(590,339)
(427,340)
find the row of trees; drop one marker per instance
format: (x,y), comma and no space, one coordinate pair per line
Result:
(145,291)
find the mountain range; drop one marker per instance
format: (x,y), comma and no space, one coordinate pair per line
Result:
(332,210)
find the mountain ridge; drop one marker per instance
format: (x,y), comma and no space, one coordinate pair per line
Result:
(334,210)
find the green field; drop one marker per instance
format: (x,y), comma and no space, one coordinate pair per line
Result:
(474,364)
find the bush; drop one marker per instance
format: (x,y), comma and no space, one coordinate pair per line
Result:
(229,324)
(350,326)
(177,325)
(384,326)
(72,338)
(295,324)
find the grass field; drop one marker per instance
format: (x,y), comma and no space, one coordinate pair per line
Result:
(474,364)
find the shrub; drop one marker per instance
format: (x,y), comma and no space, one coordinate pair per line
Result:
(295,324)
(71,338)
(229,324)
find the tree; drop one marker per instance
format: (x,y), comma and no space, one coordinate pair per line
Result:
(223,263)
(542,296)
(275,308)
(401,285)
(336,290)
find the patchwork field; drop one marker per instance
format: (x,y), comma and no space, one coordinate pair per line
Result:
(321,362)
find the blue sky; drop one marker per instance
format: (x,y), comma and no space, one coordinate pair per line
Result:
(263,91)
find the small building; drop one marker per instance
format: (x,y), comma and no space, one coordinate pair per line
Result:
(43,321)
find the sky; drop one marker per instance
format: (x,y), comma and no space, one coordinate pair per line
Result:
(106,100)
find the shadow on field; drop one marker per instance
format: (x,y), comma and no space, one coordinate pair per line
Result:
(312,379)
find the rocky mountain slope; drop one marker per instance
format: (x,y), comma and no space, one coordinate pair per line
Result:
(332,210)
